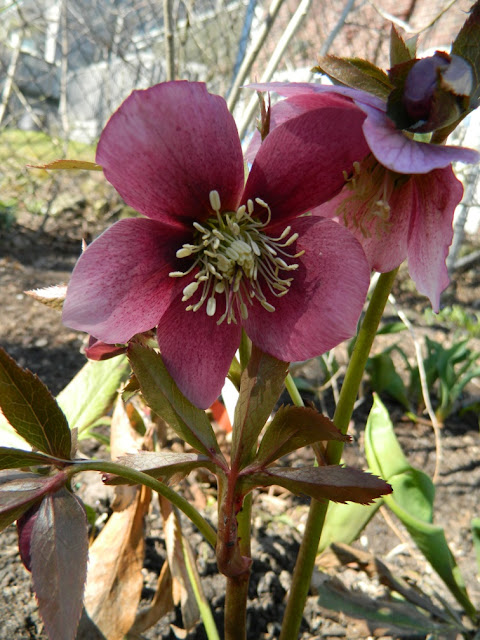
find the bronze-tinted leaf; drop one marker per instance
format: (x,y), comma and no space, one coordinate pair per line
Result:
(17,458)
(339,484)
(293,428)
(399,51)
(356,73)
(163,396)
(31,409)
(160,465)
(467,46)
(59,549)
(261,385)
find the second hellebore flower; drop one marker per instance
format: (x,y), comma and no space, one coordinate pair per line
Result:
(400,196)
(214,255)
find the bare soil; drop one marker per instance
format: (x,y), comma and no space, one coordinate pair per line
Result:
(31,257)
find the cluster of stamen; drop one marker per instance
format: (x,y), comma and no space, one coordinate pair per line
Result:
(372,186)
(234,258)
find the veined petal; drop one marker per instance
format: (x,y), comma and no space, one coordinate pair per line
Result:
(196,351)
(397,152)
(300,164)
(325,299)
(120,285)
(167,147)
(431,232)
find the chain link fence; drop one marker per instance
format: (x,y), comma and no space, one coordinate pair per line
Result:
(66,65)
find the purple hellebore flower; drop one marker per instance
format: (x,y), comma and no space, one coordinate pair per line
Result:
(400,196)
(214,254)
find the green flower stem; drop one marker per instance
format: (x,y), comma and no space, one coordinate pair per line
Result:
(313,530)
(293,392)
(138,477)
(237,588)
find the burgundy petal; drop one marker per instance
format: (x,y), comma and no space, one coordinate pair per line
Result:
(120,285)
(167,147)
(300,164)
(325,299)
(197,352)
(431,232)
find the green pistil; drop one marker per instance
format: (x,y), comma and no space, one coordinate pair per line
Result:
(237,260)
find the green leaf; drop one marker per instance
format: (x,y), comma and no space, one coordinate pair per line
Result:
(293,428)
(392,617)
(59,549)
(356,73)
(67,165)
(261,385)
(32,411)
(391,327)
(9,437)
(399,51)
(467,46)
(162,465)
(15,458)
(384,378)
(163,396)
(91,393)
(476,540)
(412,500)
(339,484)
(345,522)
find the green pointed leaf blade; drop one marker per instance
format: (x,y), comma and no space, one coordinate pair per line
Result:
(399,51)
(163,396)
(345,522)
(476,540)
(384,378)
(59,550)
(467,46)
(412,500)
(160,465)
(336,483)
(384,454)
(293,428)
(30,408)
(11,458)
(356,73)
(261,384)
(91,393)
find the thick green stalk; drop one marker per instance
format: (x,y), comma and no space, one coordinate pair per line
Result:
(138,477)
(237,588)
(313,530)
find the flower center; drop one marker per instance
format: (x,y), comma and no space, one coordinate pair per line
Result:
(236,260)
(368,208)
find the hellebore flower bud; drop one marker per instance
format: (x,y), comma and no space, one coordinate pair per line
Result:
(430,93)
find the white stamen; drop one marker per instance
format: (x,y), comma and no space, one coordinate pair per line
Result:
(214,200)
(211,307)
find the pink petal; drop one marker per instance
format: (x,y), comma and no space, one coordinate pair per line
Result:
(431,232)
(197,352)
(394,150)
(300,164)
(325,299)
(385,246)
(167,147)
(120,285)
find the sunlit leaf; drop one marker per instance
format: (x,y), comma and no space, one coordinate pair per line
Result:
(160,465)
(293,428)
(69,165)
(467,46)
(91,393)
(412,500)
(261,385)
(345,522)
(399,51)
(31,409)
(9,437)
(15,458)
(339,484)
(114,580)
(59,548)
(163,396)
(52,297)
(356,73)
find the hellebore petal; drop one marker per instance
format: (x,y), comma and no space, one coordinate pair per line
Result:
(313,149)
(120,285)
(196,351)
(431,232)
(167,147)
(325,299)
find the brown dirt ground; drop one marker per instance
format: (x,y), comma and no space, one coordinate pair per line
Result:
(33,334)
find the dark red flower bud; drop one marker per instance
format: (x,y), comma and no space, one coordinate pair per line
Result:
(24,529)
